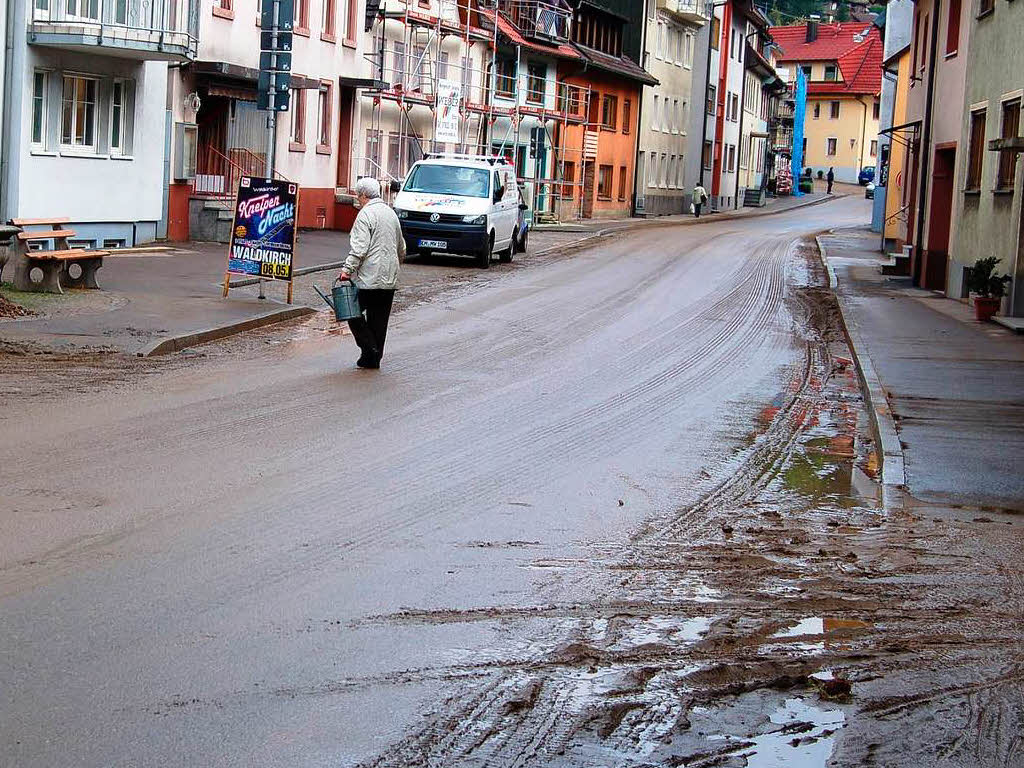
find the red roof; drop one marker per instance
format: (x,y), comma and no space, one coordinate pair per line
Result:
(855,46)
(508,29)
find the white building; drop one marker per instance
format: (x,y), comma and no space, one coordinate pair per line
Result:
(669,137)
(84,112)
(227,135)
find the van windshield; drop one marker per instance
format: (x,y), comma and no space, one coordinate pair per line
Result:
(448,180)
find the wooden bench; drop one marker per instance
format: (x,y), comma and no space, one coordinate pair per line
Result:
(56,265)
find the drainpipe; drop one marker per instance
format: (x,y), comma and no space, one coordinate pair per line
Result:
(5,117)
(639,116)
(925,140)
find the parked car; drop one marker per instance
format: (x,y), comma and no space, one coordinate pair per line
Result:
(464,204)
(869,190)
(866,175)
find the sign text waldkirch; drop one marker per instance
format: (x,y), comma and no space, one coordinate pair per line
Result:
(263,230)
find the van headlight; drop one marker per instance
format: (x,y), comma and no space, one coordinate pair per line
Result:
(401,213)
(481,219)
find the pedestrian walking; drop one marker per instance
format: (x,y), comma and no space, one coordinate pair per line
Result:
(699,197)
(830,178)
(376,247)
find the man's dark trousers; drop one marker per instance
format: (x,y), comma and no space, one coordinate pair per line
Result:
(371,330)
(696,209)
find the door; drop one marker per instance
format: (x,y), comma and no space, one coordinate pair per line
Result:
(641,182)
(588,189)
(933,268)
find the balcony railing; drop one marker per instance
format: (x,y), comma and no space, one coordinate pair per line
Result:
(694,11)
(141,29)
(538,19)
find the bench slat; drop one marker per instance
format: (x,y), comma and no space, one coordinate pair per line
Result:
(37,222)
(75,253)
(47,234)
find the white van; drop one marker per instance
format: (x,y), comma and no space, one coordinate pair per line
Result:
(461,204)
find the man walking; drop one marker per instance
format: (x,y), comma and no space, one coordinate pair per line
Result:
(700,196)
(830,178)
(376,247)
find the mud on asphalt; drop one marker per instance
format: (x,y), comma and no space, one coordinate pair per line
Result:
(783,619)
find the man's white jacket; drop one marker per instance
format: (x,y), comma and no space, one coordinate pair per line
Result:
(376,246)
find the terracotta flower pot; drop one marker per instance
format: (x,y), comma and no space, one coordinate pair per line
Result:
(985,307)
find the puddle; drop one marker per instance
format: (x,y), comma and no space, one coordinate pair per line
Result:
(811,626)
(662,630)
(804,740)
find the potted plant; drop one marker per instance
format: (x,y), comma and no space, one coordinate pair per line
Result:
(987,287)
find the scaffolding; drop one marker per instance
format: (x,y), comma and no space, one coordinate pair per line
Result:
(499,97)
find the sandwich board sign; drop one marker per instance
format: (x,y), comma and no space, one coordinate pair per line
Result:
(262,240)
(446,118)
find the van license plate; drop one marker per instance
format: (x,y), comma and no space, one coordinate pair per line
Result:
(439,244)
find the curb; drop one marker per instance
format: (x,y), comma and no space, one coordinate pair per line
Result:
(894,476)
(169,344)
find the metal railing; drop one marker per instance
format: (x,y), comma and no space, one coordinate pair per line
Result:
(217,174)
(538,19)
(141,23)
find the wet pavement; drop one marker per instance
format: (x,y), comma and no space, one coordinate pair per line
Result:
(618,508)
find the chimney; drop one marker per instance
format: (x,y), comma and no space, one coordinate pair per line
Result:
(812,27)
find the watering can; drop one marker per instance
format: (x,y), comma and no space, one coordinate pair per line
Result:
(344,300)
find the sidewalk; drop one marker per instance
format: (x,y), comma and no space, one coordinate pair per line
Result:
(160,302)
(954,386)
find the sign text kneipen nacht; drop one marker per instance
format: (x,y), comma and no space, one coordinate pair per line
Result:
(263,230)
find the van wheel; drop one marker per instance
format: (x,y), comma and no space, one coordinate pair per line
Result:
(524,242)
(505,257)
(484,258)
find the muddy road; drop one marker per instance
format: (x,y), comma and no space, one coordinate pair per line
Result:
(616,509)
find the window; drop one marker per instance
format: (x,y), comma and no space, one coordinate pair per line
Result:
(875,111)
(626,115)
(874,148)
(659,41)
(923,47)
(78,113)
(732,158)
(830,146)
(323,133)
(302,17)
(416,63)
(670,174)
(806,70)
(568,179)
(1010,130)
(83,9)
(40,84)
(622,182)
(664,170)
(655,114)
(833,110)
(330,12)
(505,77)
(118,117)
(707,155)
(986,7)
(442,66)
(372,156)
(817,110)
(297,131)
(735,107)
(398,65)
(604,182)
(348,21)
(675,115)
(679,171)
(536,73)
(953,28)
(652,180)
(688,55)
(716,32)
(609,112)
(710,106)
(830,71)
(977,150)
(222,8)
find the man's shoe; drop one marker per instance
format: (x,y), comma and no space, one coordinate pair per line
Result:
(368,364)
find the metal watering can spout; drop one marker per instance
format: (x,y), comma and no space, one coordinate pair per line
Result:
(344,300)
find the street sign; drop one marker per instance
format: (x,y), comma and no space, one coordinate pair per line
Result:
(278,82)
(262,240)
(284,41)
(285,14)
(281,101)
(283,61)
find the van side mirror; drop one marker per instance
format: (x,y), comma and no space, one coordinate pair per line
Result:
(499,192)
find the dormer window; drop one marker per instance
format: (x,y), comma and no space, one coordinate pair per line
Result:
(831,72)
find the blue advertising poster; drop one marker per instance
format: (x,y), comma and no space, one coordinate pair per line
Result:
(263,232)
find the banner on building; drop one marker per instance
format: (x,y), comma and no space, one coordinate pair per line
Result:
(262,240)
(447,117)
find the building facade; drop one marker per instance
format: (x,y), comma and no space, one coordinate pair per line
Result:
(219,134)
(938,60)
(669,128)
(843,66)
(86,113)
(897,30)
(728,95)
(761,96)
(988,210)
